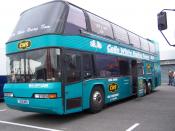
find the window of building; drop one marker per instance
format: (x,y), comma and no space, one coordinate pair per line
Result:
(134,39)
(75,21)
(100,26)
(106,66)
(72,67)
(120,34)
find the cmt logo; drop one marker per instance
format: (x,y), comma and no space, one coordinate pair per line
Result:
(95,44)
(113,87)
(24,44)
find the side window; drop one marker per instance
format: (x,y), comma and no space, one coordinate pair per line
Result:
(87,66)
(107,66)
(140,69)
(124,67)
(144,44)
(100,26)
(120,34)
(75,21)
(134,39)
(73,67)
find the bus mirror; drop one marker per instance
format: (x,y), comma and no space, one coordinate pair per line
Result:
(162,21)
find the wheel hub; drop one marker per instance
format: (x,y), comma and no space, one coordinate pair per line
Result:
(97,97)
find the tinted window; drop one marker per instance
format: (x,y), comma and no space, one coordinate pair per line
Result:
(73,67)
(100,26)
(144,44)
(46,18)
(87,66)
(124,67)
(120,34)
(75,21)
(134,39)
(107,66)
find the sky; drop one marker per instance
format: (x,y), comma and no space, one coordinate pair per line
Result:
(138,16)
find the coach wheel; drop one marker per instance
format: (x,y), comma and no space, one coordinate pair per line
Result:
(144,88)
(149,88)
(96,100)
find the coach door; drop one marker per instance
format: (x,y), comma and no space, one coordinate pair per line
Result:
(134,75)
(72,81)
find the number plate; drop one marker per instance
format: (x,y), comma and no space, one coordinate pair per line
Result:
(23,101)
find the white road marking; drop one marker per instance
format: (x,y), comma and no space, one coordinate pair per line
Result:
(3,110)
(133,126)
(29,126)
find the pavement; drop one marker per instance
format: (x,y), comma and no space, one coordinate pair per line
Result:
(154,112)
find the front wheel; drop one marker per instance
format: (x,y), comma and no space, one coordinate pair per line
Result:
(96,100)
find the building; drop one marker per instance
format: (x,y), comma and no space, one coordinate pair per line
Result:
(167,63)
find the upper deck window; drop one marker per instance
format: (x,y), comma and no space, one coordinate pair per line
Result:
(152,47)
(144,44)
(100,26)
(75,21)
(120,34)
(43,19)
(134,39)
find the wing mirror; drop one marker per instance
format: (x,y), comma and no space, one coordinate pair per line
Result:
(162,21)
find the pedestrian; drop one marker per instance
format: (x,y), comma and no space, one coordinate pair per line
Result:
(174,78)
(170,76)
(169,72)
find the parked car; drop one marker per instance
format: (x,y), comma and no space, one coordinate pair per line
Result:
(3,80)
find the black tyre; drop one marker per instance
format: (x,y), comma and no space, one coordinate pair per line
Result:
(1,100)
(149,87)
(96,100)
(144,88)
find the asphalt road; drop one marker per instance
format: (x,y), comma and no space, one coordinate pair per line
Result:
(154,112)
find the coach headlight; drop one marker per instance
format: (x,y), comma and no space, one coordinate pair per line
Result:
(45,96)
(8,94)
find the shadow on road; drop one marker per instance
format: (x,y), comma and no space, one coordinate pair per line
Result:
(129,99)
(50,120)
(57,120)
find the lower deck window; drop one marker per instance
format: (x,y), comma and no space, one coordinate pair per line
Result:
(111,66)
(72,67)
